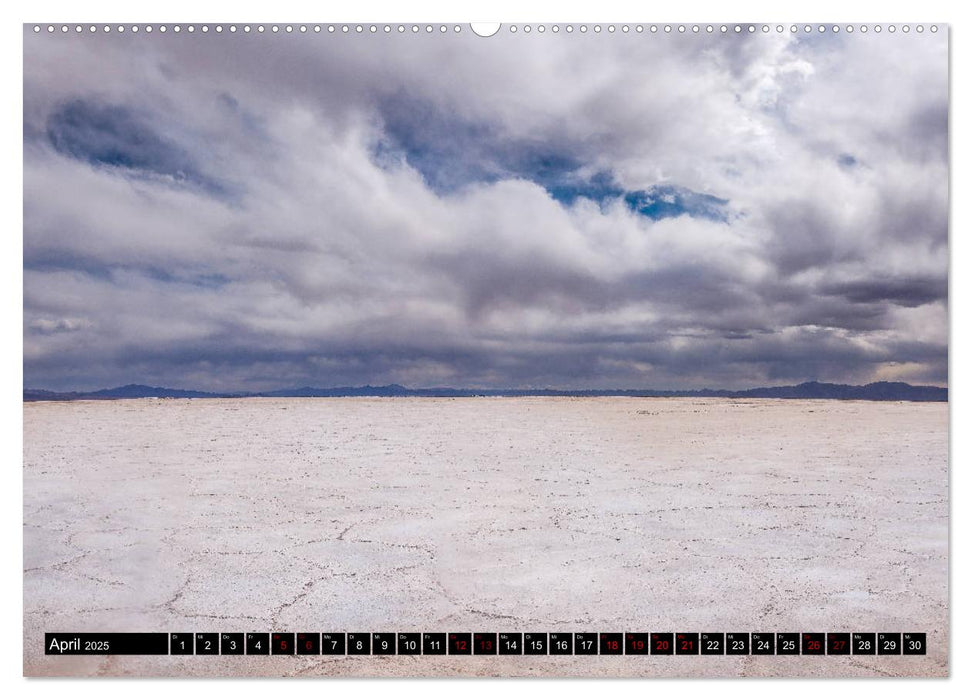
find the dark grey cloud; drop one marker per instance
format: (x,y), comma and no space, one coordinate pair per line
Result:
(907,291)
(806,235)
(242,213)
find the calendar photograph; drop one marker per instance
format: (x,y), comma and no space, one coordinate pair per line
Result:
(443,350)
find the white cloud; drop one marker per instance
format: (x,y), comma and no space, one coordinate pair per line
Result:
(293,253)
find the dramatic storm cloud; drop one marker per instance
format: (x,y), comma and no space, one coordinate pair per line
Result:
(246,212)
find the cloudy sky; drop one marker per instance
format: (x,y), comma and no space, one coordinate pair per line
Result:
(246,212)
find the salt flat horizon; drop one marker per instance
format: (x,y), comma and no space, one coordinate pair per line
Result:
(457,514)
(874,390)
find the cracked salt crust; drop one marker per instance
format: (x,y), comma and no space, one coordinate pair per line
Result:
(485,514)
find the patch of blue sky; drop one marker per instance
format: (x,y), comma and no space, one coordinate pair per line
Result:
(600,188)
(450,153)
(113,136)
(656,202)
(664,201)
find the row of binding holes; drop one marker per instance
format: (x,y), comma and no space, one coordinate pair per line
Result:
(259,28)
(442,29)
(724,28)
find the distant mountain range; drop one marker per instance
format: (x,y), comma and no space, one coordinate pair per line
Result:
(877,391)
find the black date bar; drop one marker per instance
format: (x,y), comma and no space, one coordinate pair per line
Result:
(113,643)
